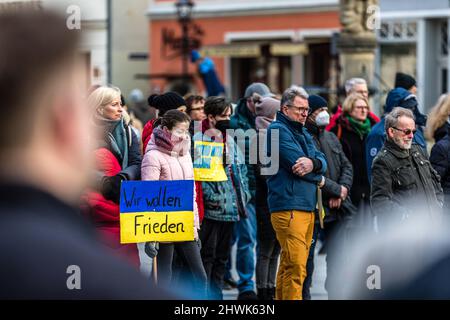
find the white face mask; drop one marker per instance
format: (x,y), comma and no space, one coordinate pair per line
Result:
(323,119)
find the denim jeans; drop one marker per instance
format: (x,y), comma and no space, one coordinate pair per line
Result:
(245,233)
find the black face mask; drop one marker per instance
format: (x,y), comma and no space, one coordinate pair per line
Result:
(223,125)
(411,104)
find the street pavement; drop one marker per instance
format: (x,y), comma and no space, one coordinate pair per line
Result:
(318,291)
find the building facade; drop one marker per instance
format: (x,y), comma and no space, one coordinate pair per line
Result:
(414,39)
(276,42)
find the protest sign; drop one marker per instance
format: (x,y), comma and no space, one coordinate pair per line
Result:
(157,211)
(208,161)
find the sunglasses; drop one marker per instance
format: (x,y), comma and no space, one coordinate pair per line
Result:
(406,131)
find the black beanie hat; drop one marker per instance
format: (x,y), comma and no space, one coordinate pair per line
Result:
(165,102)
(316,102)
(404,81)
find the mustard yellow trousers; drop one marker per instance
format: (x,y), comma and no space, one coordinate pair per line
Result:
(294,230)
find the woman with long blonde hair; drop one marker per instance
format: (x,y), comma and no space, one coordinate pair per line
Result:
(438,122)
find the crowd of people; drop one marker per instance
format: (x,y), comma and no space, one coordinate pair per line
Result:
(333,170)
(357,165)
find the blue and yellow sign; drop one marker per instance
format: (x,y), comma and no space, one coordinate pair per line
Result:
(208,161)
(160,211)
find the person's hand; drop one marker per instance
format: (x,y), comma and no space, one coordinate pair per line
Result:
(111,188)
(303,166)
(151,249)
(344,192)
(335,203)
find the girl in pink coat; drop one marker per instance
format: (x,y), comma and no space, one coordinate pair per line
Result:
(168,157)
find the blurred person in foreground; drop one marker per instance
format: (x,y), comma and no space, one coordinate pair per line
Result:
(45,168)
(403,179)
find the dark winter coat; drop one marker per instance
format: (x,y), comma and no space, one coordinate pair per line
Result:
(339,172)
(441,132)
(440,160)
(245,120)
(404,183)
(376,139)
(288,191)
(133,170)
(355,150)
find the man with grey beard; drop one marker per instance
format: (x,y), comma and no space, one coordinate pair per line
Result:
(404,183)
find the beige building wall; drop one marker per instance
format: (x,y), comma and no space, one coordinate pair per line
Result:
(130,34)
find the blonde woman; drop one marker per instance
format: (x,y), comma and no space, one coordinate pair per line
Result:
(118,159)
(352,128)
(438,122)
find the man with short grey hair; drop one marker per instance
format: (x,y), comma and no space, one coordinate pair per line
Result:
(292,191)
(357,85)
(404,184)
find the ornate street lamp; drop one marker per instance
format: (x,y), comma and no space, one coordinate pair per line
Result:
(184,9)
(184,13)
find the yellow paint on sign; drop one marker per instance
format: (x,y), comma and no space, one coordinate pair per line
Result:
(156,226)
(208,162)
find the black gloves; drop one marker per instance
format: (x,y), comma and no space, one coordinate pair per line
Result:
(151,249)
(111,187)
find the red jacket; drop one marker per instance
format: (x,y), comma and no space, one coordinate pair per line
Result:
(105,214)
(146,134)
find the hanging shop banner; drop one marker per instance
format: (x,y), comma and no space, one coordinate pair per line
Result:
(157,211)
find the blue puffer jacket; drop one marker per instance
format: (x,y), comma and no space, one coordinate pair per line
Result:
(288,191)
(226,200)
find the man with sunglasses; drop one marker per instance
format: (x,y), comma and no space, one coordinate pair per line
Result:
(404,184)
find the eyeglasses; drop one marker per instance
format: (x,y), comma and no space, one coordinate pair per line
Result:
(362,107)
(300,109)
(406,131)
(197,109)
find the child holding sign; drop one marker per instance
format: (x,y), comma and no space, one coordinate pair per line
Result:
(168,157)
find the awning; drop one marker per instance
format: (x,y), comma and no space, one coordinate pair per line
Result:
(231,50)
(288,49)
(240,50)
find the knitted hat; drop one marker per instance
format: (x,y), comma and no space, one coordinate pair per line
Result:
(259,88)
(404,80)
(316,102)
(268,107)
(165,102)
